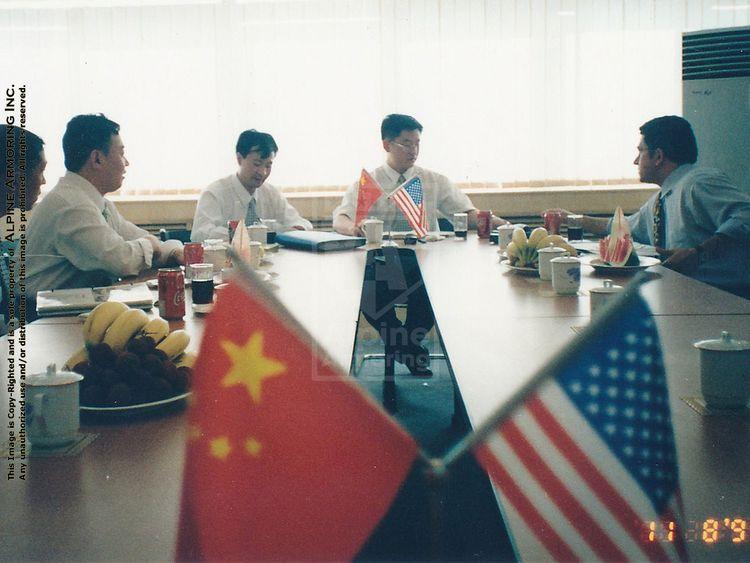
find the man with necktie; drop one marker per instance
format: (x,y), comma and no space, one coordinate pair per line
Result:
(392,277)
(76,236)
(699,221)
(245,194)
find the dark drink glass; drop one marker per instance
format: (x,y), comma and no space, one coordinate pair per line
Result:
(203,284)
(575,233)
(460,224)
(575,227)
(203,291)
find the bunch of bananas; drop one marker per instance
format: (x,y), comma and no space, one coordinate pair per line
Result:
(522,252)
(115,324)
(129,358)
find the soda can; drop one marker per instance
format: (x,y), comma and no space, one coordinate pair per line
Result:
(484,223)
(552,222)
(232,227)
(193,252)
(171,293)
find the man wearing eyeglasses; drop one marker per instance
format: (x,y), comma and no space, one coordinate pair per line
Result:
(400,136)
(393,277)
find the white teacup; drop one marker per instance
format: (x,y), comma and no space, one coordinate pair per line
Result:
(254,253)
(505,235)
(545,255)
(52,417)
(272,224)
(725,372)
(373,229)
(600,295)
(258,233)
(566,275)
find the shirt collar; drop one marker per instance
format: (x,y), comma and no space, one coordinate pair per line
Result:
(393,175)
(85,187)
(674,178)
(240,191)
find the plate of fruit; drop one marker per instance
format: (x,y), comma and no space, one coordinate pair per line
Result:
(616,251)
(523,253)
(131,363)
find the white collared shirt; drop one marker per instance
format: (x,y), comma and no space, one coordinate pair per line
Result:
(77,238)
(227,200)
(441,198)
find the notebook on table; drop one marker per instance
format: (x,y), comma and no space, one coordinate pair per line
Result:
(83,299)
(318,241)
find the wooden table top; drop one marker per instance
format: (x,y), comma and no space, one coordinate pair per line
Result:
(497,327)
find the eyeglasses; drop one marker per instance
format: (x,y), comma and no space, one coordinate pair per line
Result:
(405,147)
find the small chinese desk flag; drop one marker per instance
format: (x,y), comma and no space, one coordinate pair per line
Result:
(368,193)
(287,459)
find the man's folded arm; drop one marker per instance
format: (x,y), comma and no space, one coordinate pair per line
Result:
(91,245)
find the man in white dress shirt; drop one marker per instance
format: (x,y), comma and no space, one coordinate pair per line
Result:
(401,136)
(77,238)
(245,194)
(392,275)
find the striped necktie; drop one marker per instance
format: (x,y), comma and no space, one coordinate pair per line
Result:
(252,214)
(658,228)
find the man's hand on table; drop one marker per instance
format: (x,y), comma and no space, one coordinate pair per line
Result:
(679,259)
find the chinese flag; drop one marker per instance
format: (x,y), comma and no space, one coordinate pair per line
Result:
(287,459)
(368,193)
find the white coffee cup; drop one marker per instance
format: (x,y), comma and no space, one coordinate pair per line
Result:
(545,255)
(566,275)
(215,252)
(598,296)
(272,224)
(258,233)
(505,235)
(52,417)
(373,229)
(254,253)
(725,371)
(226,274)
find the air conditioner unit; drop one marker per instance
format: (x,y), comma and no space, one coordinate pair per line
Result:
(716,98)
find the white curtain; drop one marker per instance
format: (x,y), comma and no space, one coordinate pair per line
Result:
(507,90)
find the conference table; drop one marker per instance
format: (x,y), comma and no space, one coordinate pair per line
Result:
(119,497)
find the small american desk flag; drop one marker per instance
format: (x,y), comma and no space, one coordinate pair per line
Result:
(409,197)
(589,455)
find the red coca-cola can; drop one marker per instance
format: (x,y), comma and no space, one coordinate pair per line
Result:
(171,293)
(232,227)
(193,252)
(484,224)
(552,222)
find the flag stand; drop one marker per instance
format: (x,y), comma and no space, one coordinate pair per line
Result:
(436,475)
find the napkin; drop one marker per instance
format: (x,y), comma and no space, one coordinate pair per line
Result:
(240,240)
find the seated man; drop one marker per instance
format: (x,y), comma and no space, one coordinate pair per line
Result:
(245,194)
(25,183)
(77,238)
(698,221)
(394,277)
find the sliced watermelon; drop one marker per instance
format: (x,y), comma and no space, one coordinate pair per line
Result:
(617,248)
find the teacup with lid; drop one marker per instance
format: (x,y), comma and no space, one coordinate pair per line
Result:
(52,407)
(725,371)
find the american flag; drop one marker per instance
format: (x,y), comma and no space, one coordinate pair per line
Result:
(409,198)
(589,456)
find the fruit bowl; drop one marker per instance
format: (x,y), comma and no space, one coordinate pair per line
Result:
(521,270)
(602,267)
